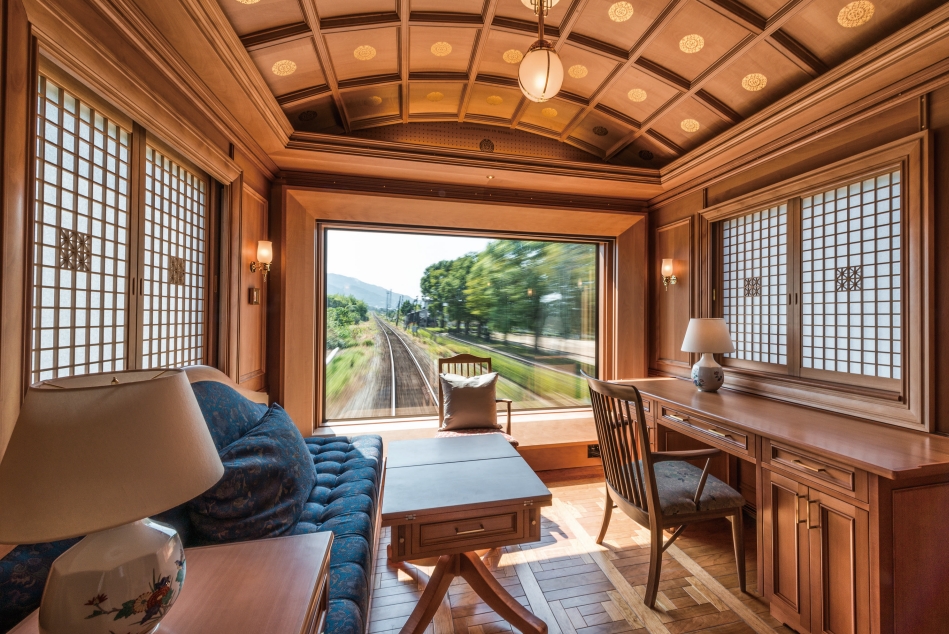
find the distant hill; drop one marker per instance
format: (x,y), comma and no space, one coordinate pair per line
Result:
(374,296)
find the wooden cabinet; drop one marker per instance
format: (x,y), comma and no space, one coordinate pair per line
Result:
(816,558)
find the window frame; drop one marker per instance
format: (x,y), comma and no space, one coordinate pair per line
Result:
(907,401)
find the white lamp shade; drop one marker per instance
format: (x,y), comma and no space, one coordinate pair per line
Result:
(87,455)
(707,335)
(265,251)
(667,268)
(540,74)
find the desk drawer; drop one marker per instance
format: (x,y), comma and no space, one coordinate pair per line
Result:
(712,433)
(837,476)
(460,530)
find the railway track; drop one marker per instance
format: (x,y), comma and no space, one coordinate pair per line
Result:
(411,387)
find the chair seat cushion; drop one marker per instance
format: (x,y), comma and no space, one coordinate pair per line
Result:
(454,433)
(677,481)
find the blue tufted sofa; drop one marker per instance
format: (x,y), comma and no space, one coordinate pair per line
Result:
(344,500)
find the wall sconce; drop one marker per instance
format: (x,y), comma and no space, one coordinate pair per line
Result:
(668,273)
(264,257)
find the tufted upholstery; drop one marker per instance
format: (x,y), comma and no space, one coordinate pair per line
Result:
(344,499)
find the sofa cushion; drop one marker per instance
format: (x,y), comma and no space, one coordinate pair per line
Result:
(268,477)
(227,413)
(23,574)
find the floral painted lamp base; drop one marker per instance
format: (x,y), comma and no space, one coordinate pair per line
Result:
(122,581)
(707,374)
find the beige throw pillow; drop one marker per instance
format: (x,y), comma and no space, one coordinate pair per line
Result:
(470,401)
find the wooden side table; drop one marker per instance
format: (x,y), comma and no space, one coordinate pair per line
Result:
(257,587)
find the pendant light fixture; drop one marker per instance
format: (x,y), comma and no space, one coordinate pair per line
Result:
(540,74)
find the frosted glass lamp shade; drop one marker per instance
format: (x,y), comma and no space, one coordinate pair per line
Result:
(540,74)
(707,335)
(667,268)
(265,251)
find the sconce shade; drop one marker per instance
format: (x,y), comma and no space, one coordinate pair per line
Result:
(265,251)
(667,268)
(707,335)
(541,72)
(88,455)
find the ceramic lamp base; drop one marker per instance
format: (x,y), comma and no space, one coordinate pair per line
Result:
(707,374)
(120,580)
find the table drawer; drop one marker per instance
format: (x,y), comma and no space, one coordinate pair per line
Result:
(713,433)
(460,530)
(838,476)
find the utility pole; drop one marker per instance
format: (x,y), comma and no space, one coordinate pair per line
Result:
(388,295)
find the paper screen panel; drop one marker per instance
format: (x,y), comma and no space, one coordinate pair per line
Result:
(755,279)
(175,264)
(80,234)
(851,278)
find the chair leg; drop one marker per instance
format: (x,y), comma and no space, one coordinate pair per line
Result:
(738,536)
(655,568)
(607,513)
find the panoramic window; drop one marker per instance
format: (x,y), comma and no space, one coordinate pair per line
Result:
(397,302)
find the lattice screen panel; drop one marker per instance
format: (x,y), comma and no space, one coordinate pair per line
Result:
(80,238)
(851,278)
(755,256)
(175,266)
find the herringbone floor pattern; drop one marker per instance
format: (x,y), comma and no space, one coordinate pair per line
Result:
(577,587)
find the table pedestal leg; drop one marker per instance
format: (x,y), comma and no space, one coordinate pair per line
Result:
(470,567)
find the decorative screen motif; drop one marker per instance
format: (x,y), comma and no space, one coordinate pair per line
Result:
(175,267)
(851,278)
(755,256)
(81,241)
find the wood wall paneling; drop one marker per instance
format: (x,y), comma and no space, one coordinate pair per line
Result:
(252,338)
(672,304)
(938,124)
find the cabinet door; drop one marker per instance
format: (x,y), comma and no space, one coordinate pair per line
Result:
(784,528)
(839,565)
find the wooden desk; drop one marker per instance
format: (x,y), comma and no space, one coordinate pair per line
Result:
(268,586)
(449,497)
(852,515)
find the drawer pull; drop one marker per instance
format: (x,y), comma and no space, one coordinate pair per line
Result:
(809,467)
(718,433)
(472,531)
(677,418)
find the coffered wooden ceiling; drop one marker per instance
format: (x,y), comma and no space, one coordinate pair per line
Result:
(645,81)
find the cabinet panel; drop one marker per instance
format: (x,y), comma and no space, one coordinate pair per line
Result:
(785,549)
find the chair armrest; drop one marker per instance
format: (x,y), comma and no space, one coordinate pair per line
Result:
(508,402)
(663,456)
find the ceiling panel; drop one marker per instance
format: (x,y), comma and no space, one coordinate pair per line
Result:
(603,20)
(519,11)
(496,61)
(315,115)
(584,71)
(638,95)
(454,6)
(673,124)
(262,15)
(494,101)
(764,8)
(553,115)
(289,67)
(817,27)
(372,102)
(695,28)
(364,53)
(439,49)
(600,131)
(756,79)
(336,8)
(438,98)
(644,152)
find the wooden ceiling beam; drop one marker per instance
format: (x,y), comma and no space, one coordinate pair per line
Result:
(279,35)
(437,18)
(780,17)
(797,54)
(344,23)
(739,13)
(487,17)
(667,143)
(312,16)
(404,14)
(302,95)
(717,107)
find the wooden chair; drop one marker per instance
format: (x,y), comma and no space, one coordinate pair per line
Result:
(469,365)
(657,489)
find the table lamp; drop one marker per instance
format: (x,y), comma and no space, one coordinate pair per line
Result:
(96,455)
(707,336)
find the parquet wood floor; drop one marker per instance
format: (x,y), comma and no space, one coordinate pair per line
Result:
(577,587)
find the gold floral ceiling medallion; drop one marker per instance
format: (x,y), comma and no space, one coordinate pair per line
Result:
(636,94)
(621,11)
(435,96)
(364,53)
(441,49)
(494,100)
(690,125)
(248,1)
(691,43)
(550,113)
(855,14)
(513,56)
(284,67)
(375,100)
(754,82)
(578,71)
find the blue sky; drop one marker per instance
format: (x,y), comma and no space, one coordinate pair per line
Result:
(394,261)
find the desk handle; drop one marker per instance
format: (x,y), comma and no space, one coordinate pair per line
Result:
(718,433)
(677,418)
(473,530)
(808,467)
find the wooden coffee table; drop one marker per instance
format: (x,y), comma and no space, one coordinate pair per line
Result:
(449,497)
